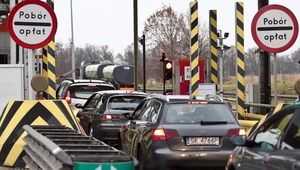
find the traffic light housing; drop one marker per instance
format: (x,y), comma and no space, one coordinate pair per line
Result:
(168,70)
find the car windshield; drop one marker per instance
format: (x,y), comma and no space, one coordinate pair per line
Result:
(207,113)
(124,102)
(86,91)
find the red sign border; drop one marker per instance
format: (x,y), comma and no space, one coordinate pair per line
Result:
(254,33)
(17,39)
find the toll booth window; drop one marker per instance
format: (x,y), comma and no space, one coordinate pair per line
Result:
(86,91)
(94,101)
(291,138)
(154,112)
(195,113)
(124,102)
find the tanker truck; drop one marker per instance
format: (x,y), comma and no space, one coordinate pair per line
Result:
(121,76)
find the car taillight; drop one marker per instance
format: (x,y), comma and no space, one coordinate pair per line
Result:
(164,134)
(240,132)
(110,117)
(68,96)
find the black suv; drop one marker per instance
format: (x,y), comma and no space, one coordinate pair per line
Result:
(178,132)
(106,111)
(78,91)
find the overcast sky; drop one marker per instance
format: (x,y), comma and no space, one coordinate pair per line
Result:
(110,22)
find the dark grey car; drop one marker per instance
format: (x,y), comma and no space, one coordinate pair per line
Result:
(106,111)
(167,132)
(274,145)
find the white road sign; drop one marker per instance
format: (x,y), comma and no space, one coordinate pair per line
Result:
(32,24)
(274,28)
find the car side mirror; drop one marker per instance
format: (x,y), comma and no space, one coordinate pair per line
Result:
(78,106)
(239,140)
(127,115)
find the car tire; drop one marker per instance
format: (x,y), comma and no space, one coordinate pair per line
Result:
(141,160)
(120,143)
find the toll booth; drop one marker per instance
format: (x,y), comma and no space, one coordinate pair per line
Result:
(182,75)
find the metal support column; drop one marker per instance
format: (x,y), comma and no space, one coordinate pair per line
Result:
(240,63)
(144,63)
(194,58)
(264,74)
(13,45)
(73,44)
(213,31)
(51,63)
(135,35)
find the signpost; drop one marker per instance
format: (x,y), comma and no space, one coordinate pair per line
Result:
(32,24)
(274,29)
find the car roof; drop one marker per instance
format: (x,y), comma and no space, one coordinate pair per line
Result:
(90,81)
(121,92)
(184,98)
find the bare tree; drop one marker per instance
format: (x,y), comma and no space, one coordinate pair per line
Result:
(165,30)
(106,53)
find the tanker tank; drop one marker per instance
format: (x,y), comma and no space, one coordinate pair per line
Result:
(82,70)
(94,71)
(122,74)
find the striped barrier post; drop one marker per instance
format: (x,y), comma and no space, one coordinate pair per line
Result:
(51,63)
(45,70)
(240,63)
(194,58)
(213,31)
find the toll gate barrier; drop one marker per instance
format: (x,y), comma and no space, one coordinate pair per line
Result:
(57,147)
(16,114)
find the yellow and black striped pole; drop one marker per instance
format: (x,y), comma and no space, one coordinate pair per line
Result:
(194,58)
(45,69)
(51,63)
(213,31)
(240,63)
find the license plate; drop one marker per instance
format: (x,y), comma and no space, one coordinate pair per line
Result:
(202,141)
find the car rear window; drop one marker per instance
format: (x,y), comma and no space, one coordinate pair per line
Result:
(124,102)
(195,113)
(86,91)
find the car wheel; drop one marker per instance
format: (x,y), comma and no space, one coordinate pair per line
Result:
(120,143)
(141,160)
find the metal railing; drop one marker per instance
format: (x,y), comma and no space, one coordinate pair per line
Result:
(61,148)
(279,96)
(233,93)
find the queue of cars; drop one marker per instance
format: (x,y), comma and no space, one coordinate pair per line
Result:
(176,132)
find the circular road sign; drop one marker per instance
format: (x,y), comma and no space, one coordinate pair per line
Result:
(274,28)
(32,24)
(39,83)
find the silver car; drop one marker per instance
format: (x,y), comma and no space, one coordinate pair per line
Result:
(78,91)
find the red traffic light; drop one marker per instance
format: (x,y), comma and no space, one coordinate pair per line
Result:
(168,65)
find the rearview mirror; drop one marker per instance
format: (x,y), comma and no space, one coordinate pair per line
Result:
(239,140)
(78,106)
